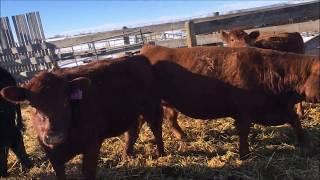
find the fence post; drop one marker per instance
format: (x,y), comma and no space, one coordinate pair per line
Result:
(74,56)
(142,39)
(95,50)
(191,36)
(126,39)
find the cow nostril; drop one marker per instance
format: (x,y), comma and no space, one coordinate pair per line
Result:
(47,139)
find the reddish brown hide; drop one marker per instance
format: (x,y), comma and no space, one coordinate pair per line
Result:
(281,41)
(78,108)
(292,77)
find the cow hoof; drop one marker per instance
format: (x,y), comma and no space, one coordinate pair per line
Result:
(300,115)
(306,150)
(244,155)
(306,147)
(180,135)
(127,156)
(27,164)
(160,154)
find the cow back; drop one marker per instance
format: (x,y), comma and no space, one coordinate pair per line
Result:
(287,42)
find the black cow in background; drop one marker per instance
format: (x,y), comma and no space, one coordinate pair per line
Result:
(10,128)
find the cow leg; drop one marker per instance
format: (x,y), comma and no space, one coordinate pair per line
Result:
(4,161)
(20,151)
(57,157)
(157,132)
(171,115)
(301,134)
(130,138)
(243,127)
(59,169)
(300,109)
(155,123)
(90,161)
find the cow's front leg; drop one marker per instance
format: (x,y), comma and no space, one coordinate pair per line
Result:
(299,109)
(301,134)
(171,117)
(59,169)
(154,118)
(243,127)
(90,161)
(130,138)
(19,149)
(58,157)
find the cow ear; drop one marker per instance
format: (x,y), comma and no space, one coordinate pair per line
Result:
(224,36)
(78,86)
(14,94)
(254,35)
(81,83)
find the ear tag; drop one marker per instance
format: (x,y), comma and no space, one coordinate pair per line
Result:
(76,94)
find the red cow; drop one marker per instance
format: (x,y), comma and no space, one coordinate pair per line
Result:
(78,108)
(289,76)
(281,41)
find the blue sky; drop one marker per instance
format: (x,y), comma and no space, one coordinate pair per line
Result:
(71,17)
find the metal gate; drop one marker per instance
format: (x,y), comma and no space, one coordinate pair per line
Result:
(28,53)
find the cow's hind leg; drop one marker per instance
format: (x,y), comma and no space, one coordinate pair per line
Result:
(243,127)
(154,117)
(301,134)
(90,161)
(300,110)
(59,169)
(171,116)
(19,149)
(4,161)
(131,137)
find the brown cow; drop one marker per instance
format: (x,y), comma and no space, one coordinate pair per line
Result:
(281,41)
(291,76)
(207,98)
(78,108)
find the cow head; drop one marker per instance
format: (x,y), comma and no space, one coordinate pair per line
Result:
(239,38)
(311,88)
(51,95)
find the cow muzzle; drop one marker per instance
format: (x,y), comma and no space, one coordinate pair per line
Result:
(53,139)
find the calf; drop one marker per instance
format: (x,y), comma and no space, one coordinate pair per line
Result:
(10,128)
(291,77)
(78,108)
(281,41)
(208,98)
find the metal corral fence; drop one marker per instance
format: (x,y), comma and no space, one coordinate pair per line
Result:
(127,42)
(31,53)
